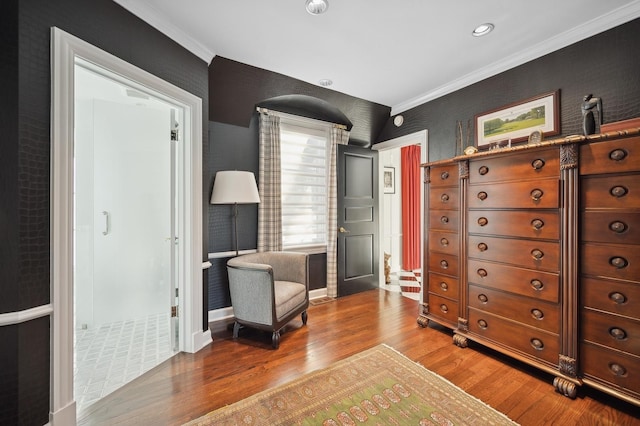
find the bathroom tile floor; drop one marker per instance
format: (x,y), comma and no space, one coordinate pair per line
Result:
(408,283)
(110,355)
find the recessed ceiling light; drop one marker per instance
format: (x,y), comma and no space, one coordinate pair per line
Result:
(483,29)
(325,82)
(316,7)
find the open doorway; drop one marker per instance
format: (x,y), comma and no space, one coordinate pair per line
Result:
(395,278)
(183,233)
(125,238)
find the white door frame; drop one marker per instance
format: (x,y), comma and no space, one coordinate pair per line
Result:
(64,49)
(421,137)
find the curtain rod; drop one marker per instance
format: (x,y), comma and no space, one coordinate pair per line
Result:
(297,117)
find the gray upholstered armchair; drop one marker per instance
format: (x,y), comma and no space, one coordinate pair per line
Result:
(268,290)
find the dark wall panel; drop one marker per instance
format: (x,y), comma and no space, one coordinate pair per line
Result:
(9,210)
(606,65)
(236,88)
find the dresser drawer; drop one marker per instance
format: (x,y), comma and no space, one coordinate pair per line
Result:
(611,261)
(611,192)
(443,263)
(513,223)
(533,194)
(617,297)
(622,155)
(443,308)
(611,227)
(611,366)
(610,330)
(443,285)
(444,242)
(445,175)
(532,254)
(536,313)
(444,220)
(446,198)
(532,341)
(532,164)
(538,284)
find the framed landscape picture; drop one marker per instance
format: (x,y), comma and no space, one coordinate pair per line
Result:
(516,121)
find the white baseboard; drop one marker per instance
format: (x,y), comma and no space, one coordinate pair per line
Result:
(201,339)
(227,313)
(66,416)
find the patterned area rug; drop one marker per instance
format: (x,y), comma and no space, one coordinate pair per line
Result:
(378,387)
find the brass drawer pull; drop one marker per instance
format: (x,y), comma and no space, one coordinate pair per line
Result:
(537,344)
(619,262)
(618,227)
(483,170)
(537,284)
(444,219)
(444,264)
(537,164)
(537,224)
(482,272)
(444,175)
(444,308)
(482,195)
(536,194)
(617,154)
(483,298)
(618,333)
(618,298)
(482,247)
(483,324)
(617,369)
(444,198)
(619,191)
(537,314)
(444,286)
(444,242)
(483,221)
(537,254)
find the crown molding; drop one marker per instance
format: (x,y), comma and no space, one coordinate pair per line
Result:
(145,11)
(600,24)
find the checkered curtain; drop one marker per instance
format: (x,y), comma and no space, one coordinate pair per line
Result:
(339,136)
(270,207)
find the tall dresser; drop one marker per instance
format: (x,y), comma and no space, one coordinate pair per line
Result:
(542,252)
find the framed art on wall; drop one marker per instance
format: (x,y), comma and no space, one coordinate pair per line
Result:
(516,121)
(389,180)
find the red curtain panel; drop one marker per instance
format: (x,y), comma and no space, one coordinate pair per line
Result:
(410,162)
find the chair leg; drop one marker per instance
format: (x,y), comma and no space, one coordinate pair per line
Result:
(236,329)
(275,339)
(304,317)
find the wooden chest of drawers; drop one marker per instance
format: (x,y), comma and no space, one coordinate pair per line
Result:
(441,297)
(610,266)
(534,251)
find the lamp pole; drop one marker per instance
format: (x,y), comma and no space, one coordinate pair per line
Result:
(235,224)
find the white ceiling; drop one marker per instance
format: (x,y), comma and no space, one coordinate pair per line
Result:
(399,53)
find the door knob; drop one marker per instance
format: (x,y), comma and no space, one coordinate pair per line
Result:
(342,230)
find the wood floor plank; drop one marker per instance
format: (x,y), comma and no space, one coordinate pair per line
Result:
(189,385)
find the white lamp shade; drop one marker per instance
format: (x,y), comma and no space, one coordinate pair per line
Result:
(235,187)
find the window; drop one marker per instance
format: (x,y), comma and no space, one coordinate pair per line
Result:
(304,170)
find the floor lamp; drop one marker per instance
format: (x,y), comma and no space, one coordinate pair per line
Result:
(235,187)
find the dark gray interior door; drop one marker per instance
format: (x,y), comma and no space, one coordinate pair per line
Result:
(357,219)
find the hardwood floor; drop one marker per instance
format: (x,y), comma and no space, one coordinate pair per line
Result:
(190,385)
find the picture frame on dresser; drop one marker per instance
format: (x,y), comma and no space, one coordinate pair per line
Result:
(516,121)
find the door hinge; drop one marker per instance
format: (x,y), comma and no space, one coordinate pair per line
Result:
(174,311)
(175,135)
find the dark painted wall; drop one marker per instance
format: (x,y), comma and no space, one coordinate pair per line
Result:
(606,65)
(24,167)
(234,91)
(236,88)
